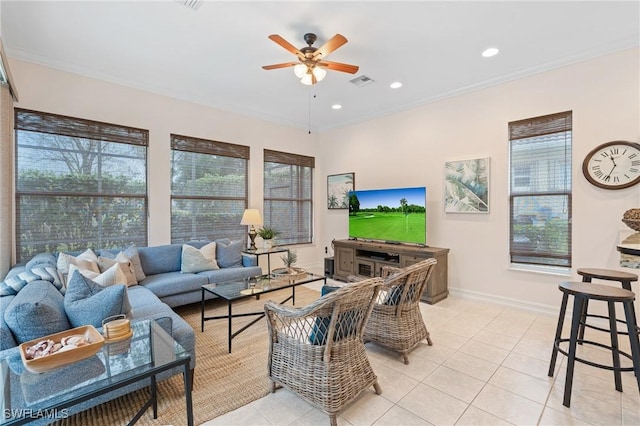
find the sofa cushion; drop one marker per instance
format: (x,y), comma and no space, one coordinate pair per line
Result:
(197,260)
(44,259)
(160,259)
(86,260)
(229,253)
(7,339)
(170,283)
(128,274)
(88,303)
(16,282)
(38,310)
(111,276)
(130,253)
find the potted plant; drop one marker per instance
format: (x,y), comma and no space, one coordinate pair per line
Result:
(289,259)
(268,234)
(289,271)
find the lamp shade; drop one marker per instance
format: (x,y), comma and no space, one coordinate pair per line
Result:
(251,217)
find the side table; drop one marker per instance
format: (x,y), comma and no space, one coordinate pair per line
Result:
(260,252)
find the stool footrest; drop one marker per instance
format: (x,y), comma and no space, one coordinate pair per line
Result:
(606,330)
(591,363)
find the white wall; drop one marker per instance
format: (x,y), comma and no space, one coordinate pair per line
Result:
(405,149)
(50,90)
(411,148)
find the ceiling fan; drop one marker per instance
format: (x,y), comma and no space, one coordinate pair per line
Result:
(311,66)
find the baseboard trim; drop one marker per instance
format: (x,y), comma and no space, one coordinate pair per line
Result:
(537,308)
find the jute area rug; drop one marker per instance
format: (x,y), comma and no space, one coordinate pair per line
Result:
(222,382)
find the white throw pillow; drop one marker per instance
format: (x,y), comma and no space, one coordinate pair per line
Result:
(198,260)
(87,260)
(125,264)
(111,276)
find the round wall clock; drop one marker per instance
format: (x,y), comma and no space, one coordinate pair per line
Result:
(613,165)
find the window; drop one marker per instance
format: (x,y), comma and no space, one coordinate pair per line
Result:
(288,199)
(540,190)
(79,184)
(208,189)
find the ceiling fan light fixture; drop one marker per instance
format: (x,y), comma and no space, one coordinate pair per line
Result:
(320,73)
(300,70)
(307,79)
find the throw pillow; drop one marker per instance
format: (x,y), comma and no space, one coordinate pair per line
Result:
(87,302)
(109,277)
(132,254)
(87,260)
(393,297)
(229,253)
(123,261)
(41,259)
(17,282)
(345,325)
(198,260)
(38,310)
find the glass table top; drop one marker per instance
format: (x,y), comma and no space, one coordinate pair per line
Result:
(238,289)
(24,392)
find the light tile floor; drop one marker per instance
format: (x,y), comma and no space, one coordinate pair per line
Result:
(487,366)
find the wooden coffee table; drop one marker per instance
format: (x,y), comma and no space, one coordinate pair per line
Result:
(231,291)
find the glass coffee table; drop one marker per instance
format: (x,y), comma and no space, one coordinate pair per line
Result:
(27,396)
(231,291)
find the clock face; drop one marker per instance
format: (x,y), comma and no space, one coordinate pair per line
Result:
(613,165)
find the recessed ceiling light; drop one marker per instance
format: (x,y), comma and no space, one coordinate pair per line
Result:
(395,85)
(336,106)
(492,51)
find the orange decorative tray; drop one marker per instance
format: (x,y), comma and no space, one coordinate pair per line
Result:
(58,359)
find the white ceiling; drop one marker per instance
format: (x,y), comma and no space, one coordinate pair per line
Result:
(213,55)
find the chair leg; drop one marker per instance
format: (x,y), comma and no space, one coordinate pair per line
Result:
(634,339)
(615,350)
(332,420)
(429,341)
(273,387)
(405,358)
(583,321)
(554,353)
(573,341)
(377,388)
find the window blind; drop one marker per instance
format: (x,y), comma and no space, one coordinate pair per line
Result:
(79,184)
(209,189)
(288,196)
(540,190)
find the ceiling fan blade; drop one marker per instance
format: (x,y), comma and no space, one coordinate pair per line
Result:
(283,65)
(338,66)
(331,45)
(284,43)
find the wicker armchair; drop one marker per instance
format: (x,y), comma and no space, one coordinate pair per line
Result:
(317,351)
(396,321)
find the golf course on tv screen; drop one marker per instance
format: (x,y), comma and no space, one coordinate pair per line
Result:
(397,215)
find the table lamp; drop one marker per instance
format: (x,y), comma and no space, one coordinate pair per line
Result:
(251,217)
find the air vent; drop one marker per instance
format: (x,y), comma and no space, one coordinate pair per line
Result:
(191,4)
(362,80)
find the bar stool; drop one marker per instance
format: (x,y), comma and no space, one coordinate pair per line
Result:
(588,274)
(582,292)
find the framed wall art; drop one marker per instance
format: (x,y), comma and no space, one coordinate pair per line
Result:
(466,186)
(338,187)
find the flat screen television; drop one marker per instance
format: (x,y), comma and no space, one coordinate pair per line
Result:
(396,215)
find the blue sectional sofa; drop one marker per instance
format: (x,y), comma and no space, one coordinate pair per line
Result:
(35,310)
